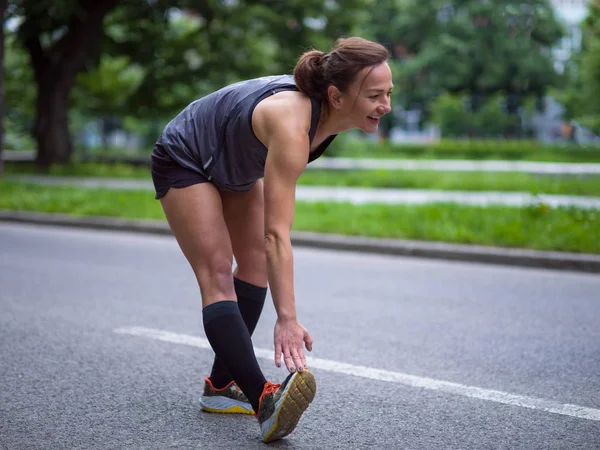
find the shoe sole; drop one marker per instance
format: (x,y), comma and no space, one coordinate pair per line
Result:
(299,393)
(224,405)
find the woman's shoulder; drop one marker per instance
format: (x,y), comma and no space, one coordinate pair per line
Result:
(291,109)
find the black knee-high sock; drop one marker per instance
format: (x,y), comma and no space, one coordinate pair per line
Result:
(251,300)
(231,342)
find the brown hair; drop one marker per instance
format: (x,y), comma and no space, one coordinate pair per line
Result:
(315,71)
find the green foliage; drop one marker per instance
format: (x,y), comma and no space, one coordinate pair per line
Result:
(469,46)
(583,74)
(451,114)
(16,135)
(483,149)
(105,90)
(19,96)
(188,51)
(492,120)
(148,60)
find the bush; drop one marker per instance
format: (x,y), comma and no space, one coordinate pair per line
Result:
(451,114)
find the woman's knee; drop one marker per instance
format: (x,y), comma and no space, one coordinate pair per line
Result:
(215,278)
(252,265)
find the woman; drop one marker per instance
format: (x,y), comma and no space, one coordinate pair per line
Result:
(225,171)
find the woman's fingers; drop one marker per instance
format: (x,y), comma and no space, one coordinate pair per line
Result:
(278,351)
(289,362)
(298,360)
(289,338)
(308,341)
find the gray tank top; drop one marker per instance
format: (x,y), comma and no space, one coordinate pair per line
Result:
(213,135)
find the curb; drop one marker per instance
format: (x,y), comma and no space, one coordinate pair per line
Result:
(437,250)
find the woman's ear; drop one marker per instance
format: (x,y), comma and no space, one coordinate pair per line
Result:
(335,97)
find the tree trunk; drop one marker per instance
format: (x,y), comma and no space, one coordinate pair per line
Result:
(513,103)
(3,4)
(51,130)
(55,71)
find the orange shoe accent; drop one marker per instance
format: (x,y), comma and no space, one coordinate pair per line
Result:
(281,406)
(268,389)
(229,399)
(208,380)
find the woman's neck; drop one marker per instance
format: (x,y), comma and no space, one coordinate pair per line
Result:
(331,121)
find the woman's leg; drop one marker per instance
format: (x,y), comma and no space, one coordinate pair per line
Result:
(244,216)
(195,215)
(281,406)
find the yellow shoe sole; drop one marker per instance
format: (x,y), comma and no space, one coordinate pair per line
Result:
(232,410)
(224,405)
(299,393)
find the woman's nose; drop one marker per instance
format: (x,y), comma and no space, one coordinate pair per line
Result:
(384,109)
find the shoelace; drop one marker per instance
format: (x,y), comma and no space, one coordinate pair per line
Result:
(271,388)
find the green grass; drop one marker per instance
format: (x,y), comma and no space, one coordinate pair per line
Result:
(456,181)
(103,170)
(535,227)
(588,185)
(514,150)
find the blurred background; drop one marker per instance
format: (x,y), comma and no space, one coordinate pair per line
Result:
(493,138)
(493,143)
(97,77)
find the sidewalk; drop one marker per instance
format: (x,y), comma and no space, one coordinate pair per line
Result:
(350,194)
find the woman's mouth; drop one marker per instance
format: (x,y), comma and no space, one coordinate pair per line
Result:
(373,119)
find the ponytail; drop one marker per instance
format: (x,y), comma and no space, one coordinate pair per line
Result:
(308,74)
(315,71)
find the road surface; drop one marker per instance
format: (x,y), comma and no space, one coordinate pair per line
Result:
(101,347)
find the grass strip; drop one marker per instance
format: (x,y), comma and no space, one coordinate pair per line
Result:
(456,181)
(465,149)
(584,185)
(535,227)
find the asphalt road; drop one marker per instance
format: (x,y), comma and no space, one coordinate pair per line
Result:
(101,347)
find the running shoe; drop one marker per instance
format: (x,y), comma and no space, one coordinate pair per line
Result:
(229,399)
(282,405)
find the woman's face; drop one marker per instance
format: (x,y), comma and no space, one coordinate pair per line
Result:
(369,98)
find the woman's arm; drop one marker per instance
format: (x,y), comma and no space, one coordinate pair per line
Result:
(286,138)
(284,165)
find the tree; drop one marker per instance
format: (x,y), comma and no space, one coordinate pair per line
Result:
(19,94)
(202,46)
(477,47)
(59,37)
(2,12)
(448,111)
(581,95)
(225,41)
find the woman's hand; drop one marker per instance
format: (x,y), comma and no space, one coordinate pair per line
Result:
(289,337)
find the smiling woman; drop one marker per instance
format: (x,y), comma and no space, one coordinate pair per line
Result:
(355,79)
(208,167)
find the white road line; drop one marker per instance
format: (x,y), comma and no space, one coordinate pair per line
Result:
(565,409)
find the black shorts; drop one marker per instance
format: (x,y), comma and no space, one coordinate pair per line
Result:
(167,173)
